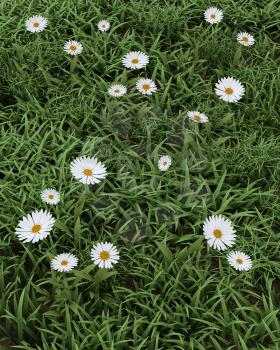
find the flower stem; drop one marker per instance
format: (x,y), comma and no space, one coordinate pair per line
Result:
(73,63)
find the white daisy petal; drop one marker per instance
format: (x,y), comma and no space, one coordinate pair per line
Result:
(64,262)
(197,117)
(35,227)
(164,163)
(135,60)
(229,89)
(219,232)
(104,255)
(146,86)
(103,25)
(50,196)
(240,261)
(36,24)
(117,90)
(99,263)
(213,15)
(245,39)
(88,170)
(73,47)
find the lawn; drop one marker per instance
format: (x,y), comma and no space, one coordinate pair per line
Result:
(169,289)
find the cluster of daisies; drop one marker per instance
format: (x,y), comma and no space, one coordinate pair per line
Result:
(218,230)
(228,89)
(36,226)
(132,60)
(135,60)
(220,234)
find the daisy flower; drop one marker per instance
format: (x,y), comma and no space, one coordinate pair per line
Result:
(197,117)
(50,196)
(135,60)
(117,90)
(213,15)
(245,39)
(73,47)
(164,163)
(239,261)
(88,170)
(219,232)
(35,226)
(146,86)
(64,262)
(104,255)
(36,24)
(229,89)
(103,26)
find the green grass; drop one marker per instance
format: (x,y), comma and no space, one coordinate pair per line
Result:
(170,290)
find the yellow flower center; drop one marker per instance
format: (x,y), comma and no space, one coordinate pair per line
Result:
(51,196)
(104,255)
(88,172)
(164,163)
(117,91)
(217,233)
(245,39)
(239,261)
(64,262)
(36,24)
(135,61)
(36,228)
(146,87)
(229,91)
(73,48)
(196,118)
(213,16)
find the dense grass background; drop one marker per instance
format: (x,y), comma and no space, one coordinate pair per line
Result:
(169,291)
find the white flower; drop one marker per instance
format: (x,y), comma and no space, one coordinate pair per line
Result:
(117,90)
(213,15)
(219,232)
(239,261)
(50,196)
(36,24)
(164,163)
(245,39)
(88,170)
(103,26)
(35,226)
(229,89)
(197,117)
(104,255)
(64,262)
(73,47)
(135,60)
(146,86)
